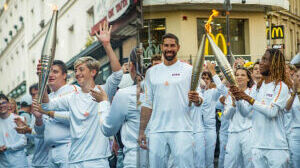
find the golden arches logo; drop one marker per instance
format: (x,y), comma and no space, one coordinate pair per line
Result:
(216,39)
(276,32)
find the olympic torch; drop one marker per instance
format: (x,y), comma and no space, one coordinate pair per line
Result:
(198,66)
(48,53)
(222,62)
(219,55)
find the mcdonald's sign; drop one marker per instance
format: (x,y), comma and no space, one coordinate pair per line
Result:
(277,32)
(219,39)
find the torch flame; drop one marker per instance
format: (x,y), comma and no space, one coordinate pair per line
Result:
(214,14)
(54,7)
(5,6)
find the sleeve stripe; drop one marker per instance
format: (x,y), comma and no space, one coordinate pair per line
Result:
(279,91)
(75,88)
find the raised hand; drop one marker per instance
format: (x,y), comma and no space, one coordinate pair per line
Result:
(99,96)
(104,34)
(211,68)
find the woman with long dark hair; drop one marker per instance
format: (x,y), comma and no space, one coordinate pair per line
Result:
(239,143)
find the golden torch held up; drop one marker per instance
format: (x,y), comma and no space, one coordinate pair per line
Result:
(48,53)
(198,66)
(219,55)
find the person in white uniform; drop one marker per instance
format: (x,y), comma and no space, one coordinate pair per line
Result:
(125,115)
(38,156)
(239,143)
(89,147)
(270,148)
(12,144)
(55,126)
(293,107)
(223,132)
(211,94)
(198,134)
(167,94)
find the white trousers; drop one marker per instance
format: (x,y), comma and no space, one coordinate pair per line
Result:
(58,156)
(95,163)
(178,144)
(270,158)
(239,149)
(210,140)
(15,159)
(199,150)
(223,138)
(294,143)
(135,158)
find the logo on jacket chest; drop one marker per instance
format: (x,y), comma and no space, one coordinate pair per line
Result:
(175,74)
(269,95)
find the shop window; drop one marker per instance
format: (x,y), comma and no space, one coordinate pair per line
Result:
(238,29)
(151,35)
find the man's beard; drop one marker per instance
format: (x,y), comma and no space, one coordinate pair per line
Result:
(170,58)
(266,73)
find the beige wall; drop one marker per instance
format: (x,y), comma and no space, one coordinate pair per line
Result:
(186,30)
(128,45)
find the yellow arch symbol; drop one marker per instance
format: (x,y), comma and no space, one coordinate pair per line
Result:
(216,40)
(276,30)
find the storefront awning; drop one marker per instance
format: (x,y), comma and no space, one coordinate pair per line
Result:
(95,50)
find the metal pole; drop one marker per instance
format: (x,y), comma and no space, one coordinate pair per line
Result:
(228,7)
(228,38)
(270,30)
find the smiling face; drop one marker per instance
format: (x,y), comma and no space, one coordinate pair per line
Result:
(56,77)
(242,77)
(256,72)
(170,49)
(206,79)
(3,106)
(83,74)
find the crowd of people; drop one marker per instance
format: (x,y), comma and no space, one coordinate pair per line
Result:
(143,119)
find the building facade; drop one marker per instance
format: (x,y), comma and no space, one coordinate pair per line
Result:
(23,29)
(249,20)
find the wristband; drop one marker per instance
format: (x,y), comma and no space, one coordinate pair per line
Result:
(252,101)
(293,94)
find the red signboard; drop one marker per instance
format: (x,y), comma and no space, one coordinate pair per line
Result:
(118,9)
